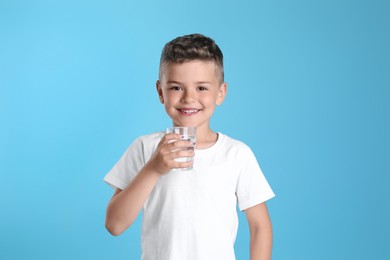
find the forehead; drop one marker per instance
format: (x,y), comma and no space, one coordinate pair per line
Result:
(190,70)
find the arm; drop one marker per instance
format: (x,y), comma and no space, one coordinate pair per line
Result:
(125,205)
(260,228)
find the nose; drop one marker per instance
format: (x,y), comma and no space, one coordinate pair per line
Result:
(188,96)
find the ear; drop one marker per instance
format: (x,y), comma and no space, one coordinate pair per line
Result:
(159,91)
(221,94)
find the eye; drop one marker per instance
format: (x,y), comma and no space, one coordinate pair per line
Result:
(175,88)
(201,88)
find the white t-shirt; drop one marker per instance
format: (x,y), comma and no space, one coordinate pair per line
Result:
(192,214)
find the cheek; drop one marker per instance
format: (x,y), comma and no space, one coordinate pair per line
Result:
(211,102)
(214,99)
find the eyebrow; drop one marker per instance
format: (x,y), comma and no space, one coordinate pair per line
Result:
(173,82)
(198,82)
(203,82)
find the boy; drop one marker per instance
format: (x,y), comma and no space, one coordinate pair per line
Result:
(190,215)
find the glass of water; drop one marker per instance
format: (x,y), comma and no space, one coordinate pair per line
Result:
(187,134)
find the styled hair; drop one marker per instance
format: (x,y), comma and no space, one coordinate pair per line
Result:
(192,47)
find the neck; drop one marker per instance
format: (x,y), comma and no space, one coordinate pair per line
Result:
(205,138)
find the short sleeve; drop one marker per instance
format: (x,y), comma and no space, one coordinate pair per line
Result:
(252,186)
(127,167)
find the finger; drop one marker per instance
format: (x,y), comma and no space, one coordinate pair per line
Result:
(181,154)
(181,144)
(178,165)
(170,138)
(178,157)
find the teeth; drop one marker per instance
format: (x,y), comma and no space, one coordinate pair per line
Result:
(190,111)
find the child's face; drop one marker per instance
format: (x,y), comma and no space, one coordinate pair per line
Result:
(190,92)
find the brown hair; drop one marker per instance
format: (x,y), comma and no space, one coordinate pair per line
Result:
(192,47)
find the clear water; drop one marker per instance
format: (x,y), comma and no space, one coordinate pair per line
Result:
(187,159)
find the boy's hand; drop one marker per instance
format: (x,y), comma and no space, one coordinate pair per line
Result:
(170,148)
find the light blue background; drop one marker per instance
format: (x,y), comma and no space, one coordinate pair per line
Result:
(308,91)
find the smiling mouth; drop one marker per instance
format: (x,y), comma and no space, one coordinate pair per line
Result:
(189,112)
